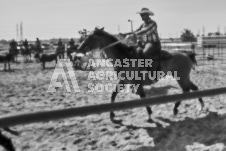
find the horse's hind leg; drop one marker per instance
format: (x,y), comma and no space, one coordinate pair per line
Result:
(9,66)
(141,93)
(4,66)
(193,87)
(6,142)
(185,88)
(43,65)
(113,96)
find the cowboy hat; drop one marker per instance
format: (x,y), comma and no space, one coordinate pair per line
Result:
(146,11)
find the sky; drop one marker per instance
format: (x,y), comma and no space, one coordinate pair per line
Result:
(64,18)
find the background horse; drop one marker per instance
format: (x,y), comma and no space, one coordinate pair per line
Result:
(14,52)
(178,62)
(6,59)
(45,58)
(26,53)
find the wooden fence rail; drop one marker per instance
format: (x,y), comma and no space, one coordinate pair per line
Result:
(27,118)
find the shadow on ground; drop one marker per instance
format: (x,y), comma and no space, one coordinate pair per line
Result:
(179,135)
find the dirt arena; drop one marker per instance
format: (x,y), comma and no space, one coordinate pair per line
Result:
(24,89)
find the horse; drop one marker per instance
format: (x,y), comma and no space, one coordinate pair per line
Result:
(14,52)
(6,142)
(45,58)
(26,53)
(117,51)
(6,59)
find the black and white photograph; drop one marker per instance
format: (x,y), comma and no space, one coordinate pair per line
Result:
(112,75)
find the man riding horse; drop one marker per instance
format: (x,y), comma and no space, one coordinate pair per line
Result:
(25,44)
(13,49)
(149,46)
(26,51)
(71,48)
(71,43)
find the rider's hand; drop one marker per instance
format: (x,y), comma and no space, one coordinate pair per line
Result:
(131,36)
(121,34)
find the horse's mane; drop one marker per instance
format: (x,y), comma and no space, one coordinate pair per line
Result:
(123,49)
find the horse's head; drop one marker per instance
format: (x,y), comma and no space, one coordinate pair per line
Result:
(92,41)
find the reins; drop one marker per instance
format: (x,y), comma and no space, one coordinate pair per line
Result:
(113,44)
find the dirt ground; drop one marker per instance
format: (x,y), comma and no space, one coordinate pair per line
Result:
(24,89)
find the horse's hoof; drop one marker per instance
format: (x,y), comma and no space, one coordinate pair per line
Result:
(112,115)
(175,112)
(200,108)
(150,121)
(203,110)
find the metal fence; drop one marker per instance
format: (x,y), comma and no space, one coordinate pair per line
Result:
(27,118)
(206,54)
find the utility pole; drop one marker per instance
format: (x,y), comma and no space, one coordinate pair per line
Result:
(131,22)
(225,30)
(203,30)
(218,29)
(17,32)
(21,31)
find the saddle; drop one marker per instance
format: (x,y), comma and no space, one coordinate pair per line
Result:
(164,55)
(157,58)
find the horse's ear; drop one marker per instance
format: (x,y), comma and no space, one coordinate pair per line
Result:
(96,28)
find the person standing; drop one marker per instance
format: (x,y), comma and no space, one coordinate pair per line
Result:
(38,46)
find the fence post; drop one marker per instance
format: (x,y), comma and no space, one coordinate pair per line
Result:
(203,54)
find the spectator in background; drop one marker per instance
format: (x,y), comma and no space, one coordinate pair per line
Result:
(25,44)
(13,44)
(38,45)
(13,49)
(60,43)
(71,43)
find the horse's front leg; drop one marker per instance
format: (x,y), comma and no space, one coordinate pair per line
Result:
(43,64)
(4,66)
(9,66)
(29,57)
(113,96)
(141,93)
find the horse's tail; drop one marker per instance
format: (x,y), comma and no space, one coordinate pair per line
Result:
(191,55)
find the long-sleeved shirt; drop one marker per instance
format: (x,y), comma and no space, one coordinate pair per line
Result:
(147,32)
